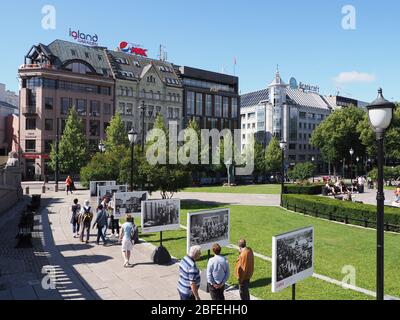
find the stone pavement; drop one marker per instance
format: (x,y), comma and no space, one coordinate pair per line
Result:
(82,271)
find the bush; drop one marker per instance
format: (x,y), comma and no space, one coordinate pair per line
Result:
(302,171)
(313,189)
(343,211)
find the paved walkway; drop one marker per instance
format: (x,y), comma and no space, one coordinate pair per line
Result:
(88,271)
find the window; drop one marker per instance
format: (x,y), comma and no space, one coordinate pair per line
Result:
(302,115)
(121,108)
(30,124)
(157,96)
(30,145)
(48,103)
(150,111)
(47,146)
(170,113)
(143,93)
(190,102)
(129,108)
(81,107)
(234,107)
(243,126)
(87,55)
(77,67)
(300,146)
(73,52)
(66,104)
(107,108)
(95,108)
(49,124)
(253,126)
(100,57)
(300,125)
(208,105)
(292,146)
(176,113)
(129,126)
(199,104)
(178,98)
(226,107)
(151,79)
(149,95)
(94,128)
(218,106)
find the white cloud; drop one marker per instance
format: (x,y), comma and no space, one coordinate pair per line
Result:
(354,77)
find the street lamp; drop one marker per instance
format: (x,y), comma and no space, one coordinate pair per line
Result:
(358,160)
(283,145)
(143,108)
(102,147)
(228,166)
(313,159)
(132,136)
(351,167)
(380,113)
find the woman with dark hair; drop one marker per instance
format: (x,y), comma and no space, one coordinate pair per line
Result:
(101,222)
(75,210)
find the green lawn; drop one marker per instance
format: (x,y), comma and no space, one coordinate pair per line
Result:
(252,189)
(336,246)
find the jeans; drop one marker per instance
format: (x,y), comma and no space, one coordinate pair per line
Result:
(85,227)
(75,227)
(187,296)
(216,294)
(100,234)
(244,290)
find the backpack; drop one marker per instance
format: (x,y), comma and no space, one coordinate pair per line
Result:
(134,234)
(87,216)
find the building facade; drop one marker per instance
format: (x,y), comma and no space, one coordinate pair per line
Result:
(288,113)
(9,97)
(54,79)
(212,99)
(143,82)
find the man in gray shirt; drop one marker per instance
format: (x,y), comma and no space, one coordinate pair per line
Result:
(217,274)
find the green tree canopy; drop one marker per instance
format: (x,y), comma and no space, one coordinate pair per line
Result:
(273,156)
(302,171)
(116,134)
(73,147)
(337,134)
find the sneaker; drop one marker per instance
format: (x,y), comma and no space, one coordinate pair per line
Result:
(126,264)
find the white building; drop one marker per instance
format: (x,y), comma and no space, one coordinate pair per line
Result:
(290,113)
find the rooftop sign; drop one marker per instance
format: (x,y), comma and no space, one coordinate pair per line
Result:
(132,49)
(88,39)
(308,87)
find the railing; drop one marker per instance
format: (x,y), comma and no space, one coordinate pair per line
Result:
(340,218)
(36,66)
(29,110)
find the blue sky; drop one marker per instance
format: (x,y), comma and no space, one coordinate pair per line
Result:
(305,38)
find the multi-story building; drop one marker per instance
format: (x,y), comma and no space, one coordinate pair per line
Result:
(289,113)
(8,96)
(7,112)
(210,98)
(143,82)
(54,79)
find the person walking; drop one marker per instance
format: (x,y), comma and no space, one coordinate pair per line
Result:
(126,239)
(189,275)
(85,220)
(217,274)
(75,210)
(100,223)
(397,194)
(69,184)
(244,269)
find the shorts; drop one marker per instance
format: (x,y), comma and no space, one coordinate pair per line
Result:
(127,245)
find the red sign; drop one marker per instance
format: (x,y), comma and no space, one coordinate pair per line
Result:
(31,156)
(133,49)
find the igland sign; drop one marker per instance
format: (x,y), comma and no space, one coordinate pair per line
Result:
(88,39)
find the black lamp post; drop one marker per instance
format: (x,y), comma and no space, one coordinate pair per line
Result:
(358,160)
(143,108)
(380,114)
(313,160)
(283,145)
(132,136)
(351,151)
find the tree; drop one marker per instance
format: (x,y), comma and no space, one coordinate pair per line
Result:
(273,156)
(337,134)
(302,171)
(73,147)
(260,161)
(164,177)
(367,136)
(116,134)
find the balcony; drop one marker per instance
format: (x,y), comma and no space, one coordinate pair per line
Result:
(29,111)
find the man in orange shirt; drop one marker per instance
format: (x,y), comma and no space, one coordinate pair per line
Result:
(244,269)
(69,183)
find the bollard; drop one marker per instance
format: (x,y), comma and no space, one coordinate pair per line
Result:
(27,190)
(43,189)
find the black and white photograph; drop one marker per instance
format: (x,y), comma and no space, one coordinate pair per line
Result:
(160,215)
(208,227)
(293,258)
(129,203)
(109,191)
(94,186)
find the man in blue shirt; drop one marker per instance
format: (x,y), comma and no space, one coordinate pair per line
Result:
(217,274)
(189,275)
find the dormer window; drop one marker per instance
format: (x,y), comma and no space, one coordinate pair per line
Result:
(78,67)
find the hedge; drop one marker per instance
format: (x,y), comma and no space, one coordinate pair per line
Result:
(313,189)
(343,211)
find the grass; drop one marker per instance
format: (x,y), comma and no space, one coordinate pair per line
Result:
(251,189)
(336,246)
